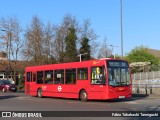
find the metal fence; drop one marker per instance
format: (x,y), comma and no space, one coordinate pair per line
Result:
(146,75)
(146,82)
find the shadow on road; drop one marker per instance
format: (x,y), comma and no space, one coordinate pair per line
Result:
(139,95)
(133,98)
(7,97)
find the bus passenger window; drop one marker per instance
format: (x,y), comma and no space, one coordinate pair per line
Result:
(40,77)
(48,79)
(70,76)
(59,77)
(34,77)
(28,77)
(98,75)
(82,73)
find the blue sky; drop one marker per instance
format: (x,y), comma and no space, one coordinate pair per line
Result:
(141,18)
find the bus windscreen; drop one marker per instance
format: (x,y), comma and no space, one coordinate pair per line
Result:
(118,73)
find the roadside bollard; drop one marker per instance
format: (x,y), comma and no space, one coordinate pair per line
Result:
(137,90)
(146,91)
(150,90)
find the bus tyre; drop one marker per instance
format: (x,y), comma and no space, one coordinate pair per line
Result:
(83,96)
(39,93)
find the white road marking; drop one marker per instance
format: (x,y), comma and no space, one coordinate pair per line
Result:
(24,98)
(131,102)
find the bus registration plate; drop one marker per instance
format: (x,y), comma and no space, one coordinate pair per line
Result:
(121,96)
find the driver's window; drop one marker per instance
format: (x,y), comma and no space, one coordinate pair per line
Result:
(114,76)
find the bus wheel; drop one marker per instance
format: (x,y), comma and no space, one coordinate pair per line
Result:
(83,96)
(39,93)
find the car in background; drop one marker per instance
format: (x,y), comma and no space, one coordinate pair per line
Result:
(7,85)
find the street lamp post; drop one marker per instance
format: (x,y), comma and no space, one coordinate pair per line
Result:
(80,56)
(121,29)
(113,49)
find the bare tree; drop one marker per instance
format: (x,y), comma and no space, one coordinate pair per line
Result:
(59,44)
(104,50)
(34,43)
(12,42)
(49,34)
(39,42)
(88,33)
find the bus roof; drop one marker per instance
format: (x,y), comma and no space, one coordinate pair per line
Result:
(97,62)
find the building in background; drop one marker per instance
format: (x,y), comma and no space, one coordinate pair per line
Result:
(3,64)
(6,70)
(154,52)
(3,56)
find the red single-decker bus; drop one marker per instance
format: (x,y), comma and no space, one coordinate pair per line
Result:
(88,80)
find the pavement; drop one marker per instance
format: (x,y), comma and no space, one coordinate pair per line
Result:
(147,96)
(154,96)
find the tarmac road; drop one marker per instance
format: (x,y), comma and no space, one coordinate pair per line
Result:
(20,102)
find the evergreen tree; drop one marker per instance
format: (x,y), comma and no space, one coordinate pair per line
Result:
(71,52)
(85,48)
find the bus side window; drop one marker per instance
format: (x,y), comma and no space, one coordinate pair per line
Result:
(70,76)
(59,77)
(40,77)
(34,77)
(48,78)
(29,76)
(82,73)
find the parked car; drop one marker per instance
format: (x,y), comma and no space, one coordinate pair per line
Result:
(7,85)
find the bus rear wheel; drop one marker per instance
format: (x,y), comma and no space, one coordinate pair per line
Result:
(83,96)
(39,93)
